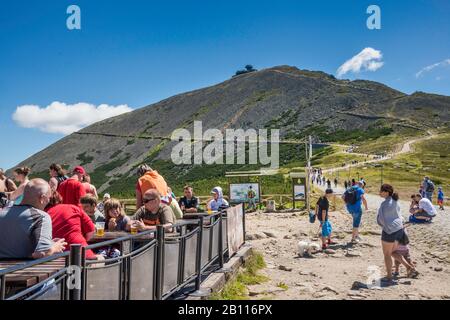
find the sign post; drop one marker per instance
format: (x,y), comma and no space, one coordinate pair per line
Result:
(299,187)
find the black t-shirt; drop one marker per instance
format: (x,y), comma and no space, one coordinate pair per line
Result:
(323,204)
(193,203)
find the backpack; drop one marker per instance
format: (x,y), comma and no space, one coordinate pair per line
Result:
(430,187)
(350,196)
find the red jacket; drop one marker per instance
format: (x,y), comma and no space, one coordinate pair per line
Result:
(71,191)
(72,224)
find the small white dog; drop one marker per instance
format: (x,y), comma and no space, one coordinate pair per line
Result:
(306,248)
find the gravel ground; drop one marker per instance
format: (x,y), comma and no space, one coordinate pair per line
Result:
(342,273)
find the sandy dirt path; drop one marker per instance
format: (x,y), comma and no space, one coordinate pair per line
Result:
(343,272)
(405,148)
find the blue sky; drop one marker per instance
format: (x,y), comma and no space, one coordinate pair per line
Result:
(138,52)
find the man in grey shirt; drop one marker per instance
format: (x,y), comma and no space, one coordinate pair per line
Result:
(26,230)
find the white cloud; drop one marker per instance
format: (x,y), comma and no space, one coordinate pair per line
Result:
(443,63)
(62,118)
(367,59)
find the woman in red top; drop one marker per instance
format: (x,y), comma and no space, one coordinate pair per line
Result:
(71,223)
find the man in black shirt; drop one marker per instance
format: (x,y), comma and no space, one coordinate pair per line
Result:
(322,207)
(189,203)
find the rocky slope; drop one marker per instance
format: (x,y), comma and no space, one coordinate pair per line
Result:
(296,101)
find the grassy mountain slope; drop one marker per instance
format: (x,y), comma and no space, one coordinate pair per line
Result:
(298,102)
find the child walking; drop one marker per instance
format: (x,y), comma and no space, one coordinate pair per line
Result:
(440,198)
(322,208)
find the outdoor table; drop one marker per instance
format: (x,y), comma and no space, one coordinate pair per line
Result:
(111,235)
(32,275)
(197,215)
(125,246)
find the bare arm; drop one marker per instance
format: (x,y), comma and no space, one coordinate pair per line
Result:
(138,199)
(364,202)
(94,190)
(53,183)
(324,213)
(89,235)
(57,247)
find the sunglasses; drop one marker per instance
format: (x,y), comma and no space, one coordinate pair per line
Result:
(148,200)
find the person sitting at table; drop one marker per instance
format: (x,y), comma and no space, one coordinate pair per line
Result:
(217,202)
(89,204)
(189,203)
(25,229)
(153,213)
(115,217)
(71,223)
(174,205)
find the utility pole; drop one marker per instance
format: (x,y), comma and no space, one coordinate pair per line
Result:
(381,175)
(308,145)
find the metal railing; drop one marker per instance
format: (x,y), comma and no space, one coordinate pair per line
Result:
(153,268)
(51,288)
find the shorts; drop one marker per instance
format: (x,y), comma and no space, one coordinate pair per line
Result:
(440,202)
(357,215)
(393,237)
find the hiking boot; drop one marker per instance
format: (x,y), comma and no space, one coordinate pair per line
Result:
(413,274)
(388,281)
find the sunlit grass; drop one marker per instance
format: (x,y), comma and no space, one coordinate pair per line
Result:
(237,288)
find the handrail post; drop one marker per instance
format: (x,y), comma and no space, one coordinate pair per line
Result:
(220,241)
(181,264)
(198,262)
(75,261)
(243,221)
(159,262)
(3,287)
(65,288)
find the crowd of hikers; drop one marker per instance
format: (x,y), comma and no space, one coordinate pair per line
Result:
(39,218)
(394,237)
